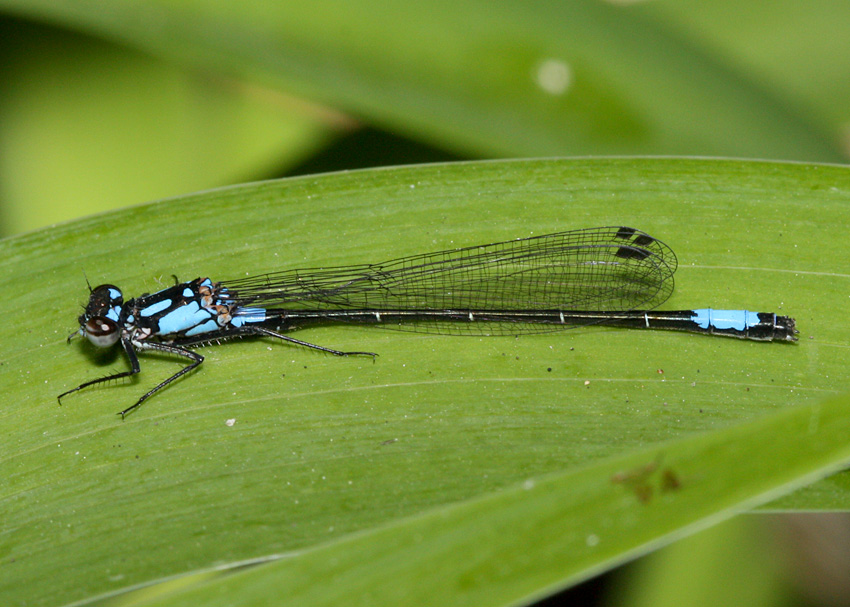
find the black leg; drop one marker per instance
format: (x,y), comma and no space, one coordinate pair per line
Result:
(196,358)
(270,333)
(130,350)
(264,332)
(180,349)
(134,368)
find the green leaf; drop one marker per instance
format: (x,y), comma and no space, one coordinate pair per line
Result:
(324,451)
(513,545)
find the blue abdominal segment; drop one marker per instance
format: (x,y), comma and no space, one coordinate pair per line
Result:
(739,320)
(248,315)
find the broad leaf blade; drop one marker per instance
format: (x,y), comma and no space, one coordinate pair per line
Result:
(514,545)
(324,447)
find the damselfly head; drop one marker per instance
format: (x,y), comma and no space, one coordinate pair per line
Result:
(99,323)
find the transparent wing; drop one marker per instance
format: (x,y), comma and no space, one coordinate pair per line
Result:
(595,269)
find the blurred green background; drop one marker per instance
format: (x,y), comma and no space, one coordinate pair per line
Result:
(109,104)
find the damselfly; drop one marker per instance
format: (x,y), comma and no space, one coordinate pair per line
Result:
(608,276)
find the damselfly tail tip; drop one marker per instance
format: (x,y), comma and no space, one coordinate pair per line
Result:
(786,328)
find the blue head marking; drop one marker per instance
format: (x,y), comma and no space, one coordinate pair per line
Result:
(114,313)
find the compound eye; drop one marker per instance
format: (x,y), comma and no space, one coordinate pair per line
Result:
(102,331)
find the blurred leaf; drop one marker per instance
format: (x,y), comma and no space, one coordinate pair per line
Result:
(88,126)
(541,77)
(112,127)
(744,552)
(778,44)
(332,452)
